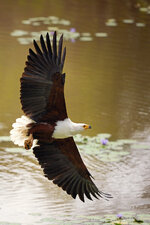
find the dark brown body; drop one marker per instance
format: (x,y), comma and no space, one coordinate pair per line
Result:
(42,131)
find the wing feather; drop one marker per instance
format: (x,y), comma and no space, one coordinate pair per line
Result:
(60,50)
(54,47)
(49,47)
(43,77)
(63,58)
(87,192)
(38,50)
(43,45)
(62,163)
(37,62)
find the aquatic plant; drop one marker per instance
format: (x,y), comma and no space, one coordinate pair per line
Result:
(104,141)
(119,216)
(105,150)
(70,33)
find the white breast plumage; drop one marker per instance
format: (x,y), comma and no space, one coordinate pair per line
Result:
(67,128)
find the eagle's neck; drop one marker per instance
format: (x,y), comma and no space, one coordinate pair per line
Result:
(66,128)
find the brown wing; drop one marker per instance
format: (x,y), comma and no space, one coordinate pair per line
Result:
(42,83)
(62,163)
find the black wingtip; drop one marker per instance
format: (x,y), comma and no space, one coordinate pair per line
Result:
(55,34)
(34,42)
(60,49)
(104,195)
(41,39)
(47,36)
(54,46)
(63,58)
(61,37)
(38,50)
(49,50)
(43,45)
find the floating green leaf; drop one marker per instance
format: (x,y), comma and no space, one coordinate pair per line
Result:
(86,38)
(4,138)
(36,24)
(140,24)
(111,23)
(143,9)
(101,34)
(112,151)
(128,21)
(17,33)
(86,34)
(7,223)
(140,146)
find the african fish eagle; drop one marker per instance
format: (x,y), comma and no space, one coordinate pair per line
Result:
(45,127)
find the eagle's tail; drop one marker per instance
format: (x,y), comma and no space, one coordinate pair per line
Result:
(19,133)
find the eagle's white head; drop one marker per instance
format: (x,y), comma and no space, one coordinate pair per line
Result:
(67,128)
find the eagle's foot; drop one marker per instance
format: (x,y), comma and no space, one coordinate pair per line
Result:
(28,143)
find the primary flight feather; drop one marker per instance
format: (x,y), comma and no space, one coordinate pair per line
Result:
(46,127)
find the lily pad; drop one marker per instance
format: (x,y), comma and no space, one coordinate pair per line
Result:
(101,34)
(86,38)
(36,24)
(128,21)
(140,24)
(141,146)
(86,34)
(27,22)
(5,138)
(36,21)
(25,40)
(7,223)
(112,151)
(18,33)
(143,9)
(111,23)
(128,218)
(65,22)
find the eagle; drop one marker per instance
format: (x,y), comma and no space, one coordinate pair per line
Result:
(46,128)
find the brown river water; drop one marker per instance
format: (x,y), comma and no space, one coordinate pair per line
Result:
(107,85)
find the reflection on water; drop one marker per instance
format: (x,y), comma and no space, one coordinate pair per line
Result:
(27,194)
(107,85)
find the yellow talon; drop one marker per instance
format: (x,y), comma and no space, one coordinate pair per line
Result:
(28,143)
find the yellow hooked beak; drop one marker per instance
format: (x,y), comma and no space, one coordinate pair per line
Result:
(87,126)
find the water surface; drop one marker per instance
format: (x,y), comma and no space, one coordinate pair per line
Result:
(107,86)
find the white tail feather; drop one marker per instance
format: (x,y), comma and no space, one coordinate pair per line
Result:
(20,130)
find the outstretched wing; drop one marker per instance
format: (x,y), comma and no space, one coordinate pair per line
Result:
(62,163)
(42,83)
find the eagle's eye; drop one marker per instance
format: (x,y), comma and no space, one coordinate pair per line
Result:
(85,126)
